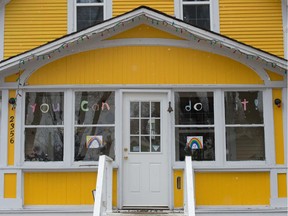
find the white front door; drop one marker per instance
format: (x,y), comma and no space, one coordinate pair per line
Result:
(145,150)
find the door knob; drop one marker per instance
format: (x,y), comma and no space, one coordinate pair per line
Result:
(125,157)
(125,149)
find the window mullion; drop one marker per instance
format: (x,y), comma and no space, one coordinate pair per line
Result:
(69,129)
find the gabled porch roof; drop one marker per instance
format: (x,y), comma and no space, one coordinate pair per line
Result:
(98,37)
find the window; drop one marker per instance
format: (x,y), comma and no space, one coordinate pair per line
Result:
(44,126)
(201,13)
(194,125)
(94,125)
(145,128)
(244,126)
(197,13)
(89,13)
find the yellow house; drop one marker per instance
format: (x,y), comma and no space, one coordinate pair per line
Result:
(146,83)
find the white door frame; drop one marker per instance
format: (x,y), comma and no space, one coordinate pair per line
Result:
(118,149)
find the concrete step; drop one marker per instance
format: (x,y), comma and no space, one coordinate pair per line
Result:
(146,213)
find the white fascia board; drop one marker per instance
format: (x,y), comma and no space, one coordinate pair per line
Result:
(11,65)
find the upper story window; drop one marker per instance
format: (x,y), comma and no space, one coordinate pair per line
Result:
(85,13)
(89,13)
(201,13)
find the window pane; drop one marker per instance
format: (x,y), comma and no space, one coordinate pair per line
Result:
(44,108)
(244,107)
(145,109)
(134,126)
(197,15)
(155,109)
(196,142)
(145,144)
(88,16)
(44,144)
(245,143)
(194,108)
(156,144)
(94,108)
(91,142)
(134,109)
(134,144)
(89,1)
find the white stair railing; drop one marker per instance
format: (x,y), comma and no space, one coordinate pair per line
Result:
(103,193)
(189,205)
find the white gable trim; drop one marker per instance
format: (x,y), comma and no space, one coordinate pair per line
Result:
(129,20)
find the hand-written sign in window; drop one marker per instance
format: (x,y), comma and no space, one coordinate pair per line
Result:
(94,118)
(44,126)
(244,126)
(194,125)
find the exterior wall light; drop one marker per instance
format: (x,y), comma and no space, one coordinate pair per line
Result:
(277,102)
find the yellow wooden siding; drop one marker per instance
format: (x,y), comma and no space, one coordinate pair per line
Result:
(30,23)
(232,188)
(10,185)
(278,127)
(144,31)
(255,22)
(63,188)
(282,185)
(123,6)
(274,76)
(144,65)
(11,130)
(178,191)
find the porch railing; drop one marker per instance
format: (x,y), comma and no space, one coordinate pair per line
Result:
(103,193)
(189,205)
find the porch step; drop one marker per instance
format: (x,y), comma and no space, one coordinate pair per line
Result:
(146,213)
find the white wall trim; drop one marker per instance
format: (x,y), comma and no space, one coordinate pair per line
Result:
(70,16)
(4,128)
(268,116)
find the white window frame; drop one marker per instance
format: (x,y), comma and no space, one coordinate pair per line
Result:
(214,11)
(72,12)
(220,130)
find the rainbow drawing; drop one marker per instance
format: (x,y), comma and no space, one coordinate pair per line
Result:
(195,142)
(94,141)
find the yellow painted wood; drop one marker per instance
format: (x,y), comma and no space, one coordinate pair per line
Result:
(11,130)
(114,188)
(282,185)
(144,31)
(31,23)
(144,65)
(178,192)
(59,188)
(255,22)
(123,6)
(63,188)
(232,188)
(274,76)
(13,77)
(10,185)
(278,127)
